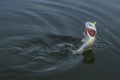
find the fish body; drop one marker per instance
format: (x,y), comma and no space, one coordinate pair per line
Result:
(89,37)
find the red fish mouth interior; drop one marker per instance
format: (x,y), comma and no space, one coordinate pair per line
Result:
(90,31)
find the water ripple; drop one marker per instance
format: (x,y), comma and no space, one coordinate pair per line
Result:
(37,35)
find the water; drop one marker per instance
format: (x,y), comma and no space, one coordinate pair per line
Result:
(34,36)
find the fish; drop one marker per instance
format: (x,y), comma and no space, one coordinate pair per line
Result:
(88,40)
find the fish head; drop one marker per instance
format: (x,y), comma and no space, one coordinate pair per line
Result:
(90,30)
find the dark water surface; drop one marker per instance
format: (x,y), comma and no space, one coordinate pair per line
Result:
(34,35)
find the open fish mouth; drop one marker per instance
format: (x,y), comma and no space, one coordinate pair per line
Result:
(90,29)
(90,32)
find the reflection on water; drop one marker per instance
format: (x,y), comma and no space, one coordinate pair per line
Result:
(88,57)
